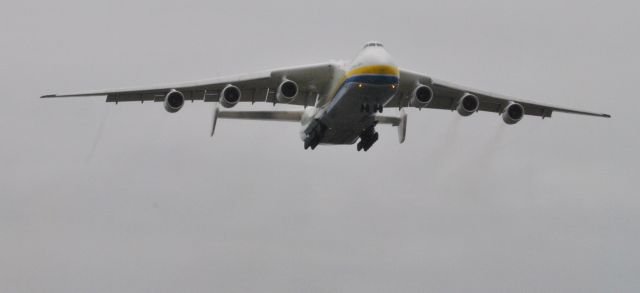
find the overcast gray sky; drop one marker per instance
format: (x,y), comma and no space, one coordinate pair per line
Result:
(102,198)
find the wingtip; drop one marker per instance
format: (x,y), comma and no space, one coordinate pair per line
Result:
(48,96)
(606,115)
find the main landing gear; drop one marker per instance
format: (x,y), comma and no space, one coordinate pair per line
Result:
(314,134)
(368,137)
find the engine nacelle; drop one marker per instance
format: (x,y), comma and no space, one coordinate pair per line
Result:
(173,101)
(513,113)
(468,105)
(230,96)
(421,96)
(287,91)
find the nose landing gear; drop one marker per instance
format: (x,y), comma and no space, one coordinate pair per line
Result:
(368,137)
(371,108)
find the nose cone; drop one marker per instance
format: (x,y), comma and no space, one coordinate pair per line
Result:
(373,53)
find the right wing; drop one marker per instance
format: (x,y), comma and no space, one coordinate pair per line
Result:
(447,96)
(259,87)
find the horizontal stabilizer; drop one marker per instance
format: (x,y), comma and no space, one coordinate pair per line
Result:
(290,116)
(286,116)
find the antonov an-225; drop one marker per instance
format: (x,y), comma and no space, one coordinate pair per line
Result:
(341,100)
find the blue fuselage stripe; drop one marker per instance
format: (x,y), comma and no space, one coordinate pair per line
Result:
(373,79)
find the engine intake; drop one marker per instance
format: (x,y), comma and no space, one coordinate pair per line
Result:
(287,91)
(230,96)
(173,101)
(513,113)
(468,105)
(421,96)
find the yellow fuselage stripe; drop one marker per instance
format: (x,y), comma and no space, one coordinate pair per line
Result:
(365,70)
(374,70)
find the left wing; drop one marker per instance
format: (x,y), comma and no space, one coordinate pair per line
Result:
(258,87)
(447,96)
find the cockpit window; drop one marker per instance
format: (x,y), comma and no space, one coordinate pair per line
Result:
(373,44)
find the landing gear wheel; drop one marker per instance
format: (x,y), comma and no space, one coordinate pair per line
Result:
(314,134)
(371,141)
(368,137)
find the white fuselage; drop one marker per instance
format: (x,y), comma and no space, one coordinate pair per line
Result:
(358,88)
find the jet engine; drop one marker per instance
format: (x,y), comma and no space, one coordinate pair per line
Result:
(468,105)
(173,101)
(513,113)
(230,96)
(421,96)
(287,91)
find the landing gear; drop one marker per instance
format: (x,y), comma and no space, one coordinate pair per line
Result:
(314,134)
(368,137)
(371,108)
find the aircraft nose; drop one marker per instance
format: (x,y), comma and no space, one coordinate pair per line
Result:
(377,56)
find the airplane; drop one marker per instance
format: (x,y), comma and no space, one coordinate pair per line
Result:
(341,101)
